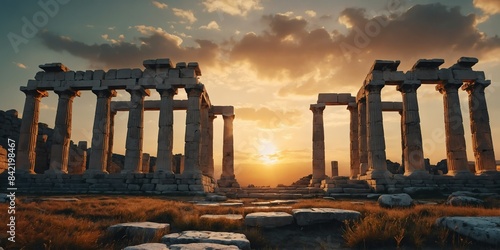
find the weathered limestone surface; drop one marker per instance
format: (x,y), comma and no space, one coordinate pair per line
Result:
(318,140)
(165,129)
(210,156)
(192,146)
(354,137)
(455,139)
(100,136)
(482,229)
(203,246)
(411,133)
(335,168)
(26,155)
(310,216)
(145,230)
(135,125)
(205,136)
(222,216)
(482,142)
(268,219)
(362,138)
(77,160)
(457,201)
(62,131)
(223,238)
(395,200)
(145,167)
(148,246)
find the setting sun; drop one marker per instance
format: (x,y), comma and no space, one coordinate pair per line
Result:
(268,153)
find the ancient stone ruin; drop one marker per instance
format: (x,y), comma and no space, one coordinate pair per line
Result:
(368,158)
(160,75)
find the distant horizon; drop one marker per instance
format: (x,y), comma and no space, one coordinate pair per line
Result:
(267,60)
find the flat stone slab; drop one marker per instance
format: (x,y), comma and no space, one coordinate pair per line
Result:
(231,204)
(395,200)
(207,203)
(148,246)
(261,203)
(268,219)
(464,201)
(329,198)
(60,199)
(223,238)
(482,229)
(203,246)
(222,216)
(268,207)
(310,216)
(472,194)
(280,202)
(215,197)
(144,230)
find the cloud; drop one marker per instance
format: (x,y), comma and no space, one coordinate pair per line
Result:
(232,7)
(20,65)
(310,13)
(316,60)
(269,118)
(159,5)
(210,26)
(153,43)
(489,7)
(185,14)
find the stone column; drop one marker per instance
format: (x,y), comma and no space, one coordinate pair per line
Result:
(165,129)
(413,153)
(26,155)
(111,138)
(454,129)
(100,131)
(318,139)
(228,148)
(482,142)
(211,118)
(204,123)
(377,164)
(354,145)
(192,147)
(362,139)
(335,168)
(135,126)
(59,152)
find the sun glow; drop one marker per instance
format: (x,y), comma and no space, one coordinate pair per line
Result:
(268,153)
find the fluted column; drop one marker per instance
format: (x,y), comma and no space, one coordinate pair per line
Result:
(204,155)
(165,129)
(211,118)
(482,142)
(192,147)
(362,139)
(228,148)
(318,140)
(111,138)
(354,137)
(413,153)
(377,164)
(454,129)
(59,152)
(28,133)
(100,131)
(135,130)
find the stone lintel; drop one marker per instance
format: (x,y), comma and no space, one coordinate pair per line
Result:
(392,106)
(394,77)
(119,83)
(54,67)
(148,105)
(428,64)
(84,84)
(335,98)
(384,65)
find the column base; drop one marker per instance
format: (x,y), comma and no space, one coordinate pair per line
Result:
(55,171)
(418,174)
(378,174)
(488,173)
(93,172)
(460,174)
(228,182)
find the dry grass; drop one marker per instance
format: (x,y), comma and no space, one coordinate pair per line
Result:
(83,224)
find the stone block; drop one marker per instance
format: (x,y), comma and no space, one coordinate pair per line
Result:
(134,187)
(59,76)
(123,73)
(111,74)
(148,187)
(97,74)
(166,187)
(136,73)
(195,187)
(79,75)
(183,187)
(69,76)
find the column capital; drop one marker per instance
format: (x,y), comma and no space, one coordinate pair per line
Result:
(227,117)
(211,116)
(352,106)
(34,92)
(194,90)
(408,86)
(476,85)
(166,89)
(317,108)
(448,86)
(104,92)
(137,88)
(65,91)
